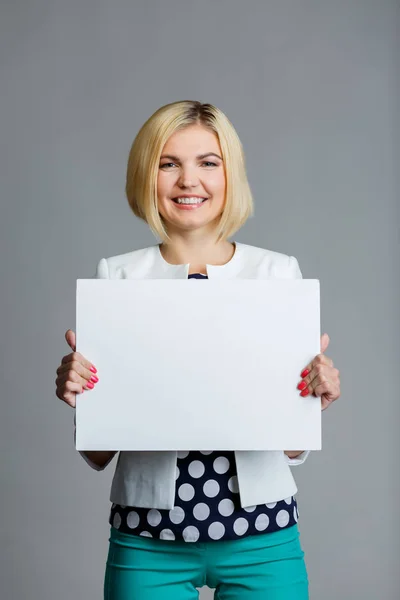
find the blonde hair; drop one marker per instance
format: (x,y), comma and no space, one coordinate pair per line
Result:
(144,157)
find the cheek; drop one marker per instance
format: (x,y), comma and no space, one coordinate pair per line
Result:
(216,184)
(162,186)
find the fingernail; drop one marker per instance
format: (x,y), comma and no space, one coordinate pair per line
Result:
(305,373)
(90,385)
(305,392)
(302,385)
(93,369)
(94,379)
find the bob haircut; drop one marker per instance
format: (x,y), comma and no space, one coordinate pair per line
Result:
(144,158)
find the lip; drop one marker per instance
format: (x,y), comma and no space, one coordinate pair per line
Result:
(189,196)
(189,206)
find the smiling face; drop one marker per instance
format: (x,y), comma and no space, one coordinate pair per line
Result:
(191,164)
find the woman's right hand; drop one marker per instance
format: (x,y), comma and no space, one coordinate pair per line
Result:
(75,373)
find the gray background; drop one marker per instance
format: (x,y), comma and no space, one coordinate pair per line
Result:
(311,90)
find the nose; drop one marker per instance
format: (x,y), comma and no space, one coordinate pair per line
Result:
(187,178)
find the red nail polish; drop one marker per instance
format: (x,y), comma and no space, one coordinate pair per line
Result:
(94,379)
(90,385)
(301,385)
(305,373)
(305,392)
(93,369)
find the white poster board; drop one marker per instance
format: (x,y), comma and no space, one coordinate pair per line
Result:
(198,365)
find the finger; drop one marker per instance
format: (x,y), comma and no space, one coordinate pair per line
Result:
(79,368)
(71,339)
(77,373)
(67,392)
(320,359)
(77,357)
(321,386)
(319,374)
(321,367)
(324,342)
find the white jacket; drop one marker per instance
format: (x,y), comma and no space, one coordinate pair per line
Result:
(147,479)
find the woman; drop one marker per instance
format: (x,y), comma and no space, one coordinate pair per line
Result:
(182,520)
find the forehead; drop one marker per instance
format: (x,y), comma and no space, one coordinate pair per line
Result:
(195,138)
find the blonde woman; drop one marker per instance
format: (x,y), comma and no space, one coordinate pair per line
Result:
(182,520)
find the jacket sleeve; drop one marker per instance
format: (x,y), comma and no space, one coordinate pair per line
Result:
(102,272)
(294,269)
(293,462)
(294,272)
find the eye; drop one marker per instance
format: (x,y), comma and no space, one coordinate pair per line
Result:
(206,162)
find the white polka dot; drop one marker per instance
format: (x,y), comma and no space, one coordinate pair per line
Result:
(190,534)
(250,508)
(271,505)
(201,511)
(183,453)
(282,518)
(221,465)
(132,519)
(176,514)
(177,473)
(167,534)
(226,507)
(145,534)
(233,484)
(295,514)
(288,500)
(262,522)
(153,517)
(196,469)
(216,530)
(117,521)
(186,492)
(206,452)
(211,488)
(240,526)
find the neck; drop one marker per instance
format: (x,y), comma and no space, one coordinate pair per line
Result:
(197,252)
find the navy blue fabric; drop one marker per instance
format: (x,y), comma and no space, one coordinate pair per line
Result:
(207,503)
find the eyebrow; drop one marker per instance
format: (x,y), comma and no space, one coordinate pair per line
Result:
(199,157)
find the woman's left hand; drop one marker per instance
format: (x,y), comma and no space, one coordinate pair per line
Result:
(321,378)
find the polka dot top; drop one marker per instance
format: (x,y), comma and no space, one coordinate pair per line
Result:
(207,503)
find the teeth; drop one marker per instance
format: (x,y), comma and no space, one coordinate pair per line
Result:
(189,200)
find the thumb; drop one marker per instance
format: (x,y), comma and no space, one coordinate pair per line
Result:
(71,339)
(324,342)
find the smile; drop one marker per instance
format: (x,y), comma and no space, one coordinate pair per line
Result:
(189,203)
(190,200)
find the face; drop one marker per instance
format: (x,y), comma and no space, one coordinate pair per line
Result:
(191,165)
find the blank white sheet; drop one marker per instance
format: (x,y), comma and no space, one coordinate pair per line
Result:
(198,364)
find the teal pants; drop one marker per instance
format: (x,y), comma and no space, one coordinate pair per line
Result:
(266,566)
